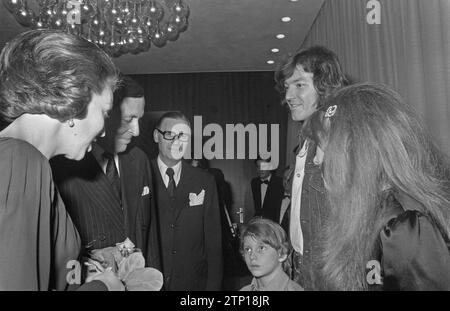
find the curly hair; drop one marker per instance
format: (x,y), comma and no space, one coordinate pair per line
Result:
(52,72)
(321,62)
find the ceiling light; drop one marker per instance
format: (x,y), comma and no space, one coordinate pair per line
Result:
(280,36)
(270,62)
(286,19)
(275,50)
(293,0)
(117,26)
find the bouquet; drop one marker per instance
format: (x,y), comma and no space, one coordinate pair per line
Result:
(128,263)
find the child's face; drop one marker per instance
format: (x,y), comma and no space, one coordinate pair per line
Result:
(261,258)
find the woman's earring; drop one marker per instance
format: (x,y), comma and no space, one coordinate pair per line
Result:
(71,123)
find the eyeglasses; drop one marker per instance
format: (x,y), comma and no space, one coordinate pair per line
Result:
(169,135)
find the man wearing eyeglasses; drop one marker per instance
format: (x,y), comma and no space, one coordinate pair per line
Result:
(188,212)
(109,193)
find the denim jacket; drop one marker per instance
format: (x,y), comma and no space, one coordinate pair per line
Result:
(313,213)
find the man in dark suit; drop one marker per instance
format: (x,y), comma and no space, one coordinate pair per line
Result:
(267,190)
(188,212)
(109,193)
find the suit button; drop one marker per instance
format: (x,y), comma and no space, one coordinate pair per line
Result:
(304,221)
(174,252)
(172,226)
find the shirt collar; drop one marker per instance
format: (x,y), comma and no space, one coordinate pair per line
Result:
(268,178)
(97,152)
(303,150)
(163,167)
(279,282)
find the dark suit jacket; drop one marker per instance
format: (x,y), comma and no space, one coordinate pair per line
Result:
(272,201)
(97,211)
(191,242)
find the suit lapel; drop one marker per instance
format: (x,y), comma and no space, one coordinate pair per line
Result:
(257,193)
(269,190)
(182,190)
(158,182)
(101,192)
(130,185)
(155,170)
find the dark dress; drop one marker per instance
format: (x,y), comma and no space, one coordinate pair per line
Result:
(412,253)
(37,236)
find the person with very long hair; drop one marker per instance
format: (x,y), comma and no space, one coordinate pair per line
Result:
(55,91)
(388,189)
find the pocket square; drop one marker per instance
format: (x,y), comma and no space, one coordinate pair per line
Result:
(145,191)
(196,199)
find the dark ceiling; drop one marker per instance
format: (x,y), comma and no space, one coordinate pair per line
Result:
(223,35)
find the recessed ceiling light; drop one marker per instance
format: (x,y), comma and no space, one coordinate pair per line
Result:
(280,36)
(275,50)
(294,0)
(270,62)
(286,19)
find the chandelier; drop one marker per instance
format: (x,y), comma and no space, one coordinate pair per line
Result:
(117,26)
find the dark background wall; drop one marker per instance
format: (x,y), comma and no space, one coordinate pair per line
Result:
(222,98)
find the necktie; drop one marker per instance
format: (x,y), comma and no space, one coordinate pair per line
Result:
(265,182)
(112,173)
(171,186)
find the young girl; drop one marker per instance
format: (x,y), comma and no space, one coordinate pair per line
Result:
(265,248)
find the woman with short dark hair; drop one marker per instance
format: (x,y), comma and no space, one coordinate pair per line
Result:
(55,91)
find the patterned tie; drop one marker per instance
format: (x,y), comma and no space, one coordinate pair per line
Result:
(112,173)
(171,186)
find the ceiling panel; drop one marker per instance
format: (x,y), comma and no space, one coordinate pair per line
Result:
(223,35)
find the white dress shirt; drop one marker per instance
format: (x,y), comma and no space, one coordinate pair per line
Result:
(97,152)
(163,168)
(264,190)
(295,229)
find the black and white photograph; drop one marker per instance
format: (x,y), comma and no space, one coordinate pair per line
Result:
(209,150)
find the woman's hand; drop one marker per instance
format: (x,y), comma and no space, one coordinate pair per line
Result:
(109,278)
